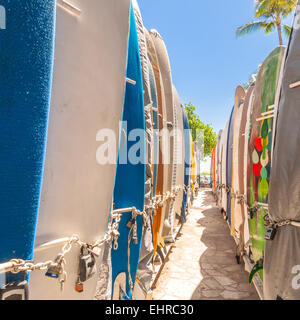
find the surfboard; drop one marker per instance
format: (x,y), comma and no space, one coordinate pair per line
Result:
(86,107)
(158,217)
(236,216)
(168,154)
(281,262)
(229,166)
(145,270)
(155,119)
(187,164)
(223,169)
(218,168)
(193,169)
(198,161)
(242,169)
(178,165)
(125,259)
(27,46)
(213,168)
(190,188)
(259,147)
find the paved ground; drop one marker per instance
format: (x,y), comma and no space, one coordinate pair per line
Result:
(202,264)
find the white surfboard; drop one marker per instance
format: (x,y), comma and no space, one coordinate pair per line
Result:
(236,215)
(247,128)
(87,96)
(178,165)
(223,167)
(218,168)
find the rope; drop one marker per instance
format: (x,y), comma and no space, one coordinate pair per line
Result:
(128,261)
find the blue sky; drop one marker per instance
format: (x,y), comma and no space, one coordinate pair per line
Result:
(207,59)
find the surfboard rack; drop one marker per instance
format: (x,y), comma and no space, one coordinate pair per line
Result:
(157,268)
(295,85)
(68,6)
(265,118)
(131,81)
(6,267)
(50,244)
(262,205)
(267,113)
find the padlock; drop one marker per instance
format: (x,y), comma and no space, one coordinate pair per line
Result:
(54,271)
(134,235)
(252,212)
(135,239)
(131,223)
(17,290)
(271,232)
(79,285)
(87,265)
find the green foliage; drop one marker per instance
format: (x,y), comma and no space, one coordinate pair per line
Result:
(210,137)
(270,14)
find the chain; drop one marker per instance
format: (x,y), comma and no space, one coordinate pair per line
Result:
(289,222)
(241,199)
(268,221)
(112,235)
(159,200)
(19,265)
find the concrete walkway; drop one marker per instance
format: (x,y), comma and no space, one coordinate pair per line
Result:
(202,264)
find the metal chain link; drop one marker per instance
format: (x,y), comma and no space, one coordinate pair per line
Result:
(19,265)
(112,235)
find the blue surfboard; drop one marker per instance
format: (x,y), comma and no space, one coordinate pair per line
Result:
(129,188)
(187,161)
(26,63)
(229,166)
(155,127)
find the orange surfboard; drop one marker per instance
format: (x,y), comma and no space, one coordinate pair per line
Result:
(160,188)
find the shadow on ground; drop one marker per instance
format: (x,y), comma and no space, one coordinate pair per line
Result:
(223,278)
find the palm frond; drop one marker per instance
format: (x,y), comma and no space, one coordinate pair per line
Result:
(270,27)
(287,6)
(274,7)
(286,30)
(251,27)
(262,8)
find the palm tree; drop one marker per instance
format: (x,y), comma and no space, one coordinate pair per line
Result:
(270,14)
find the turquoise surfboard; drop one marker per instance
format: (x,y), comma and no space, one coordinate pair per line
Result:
(26,63)
(129,188)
